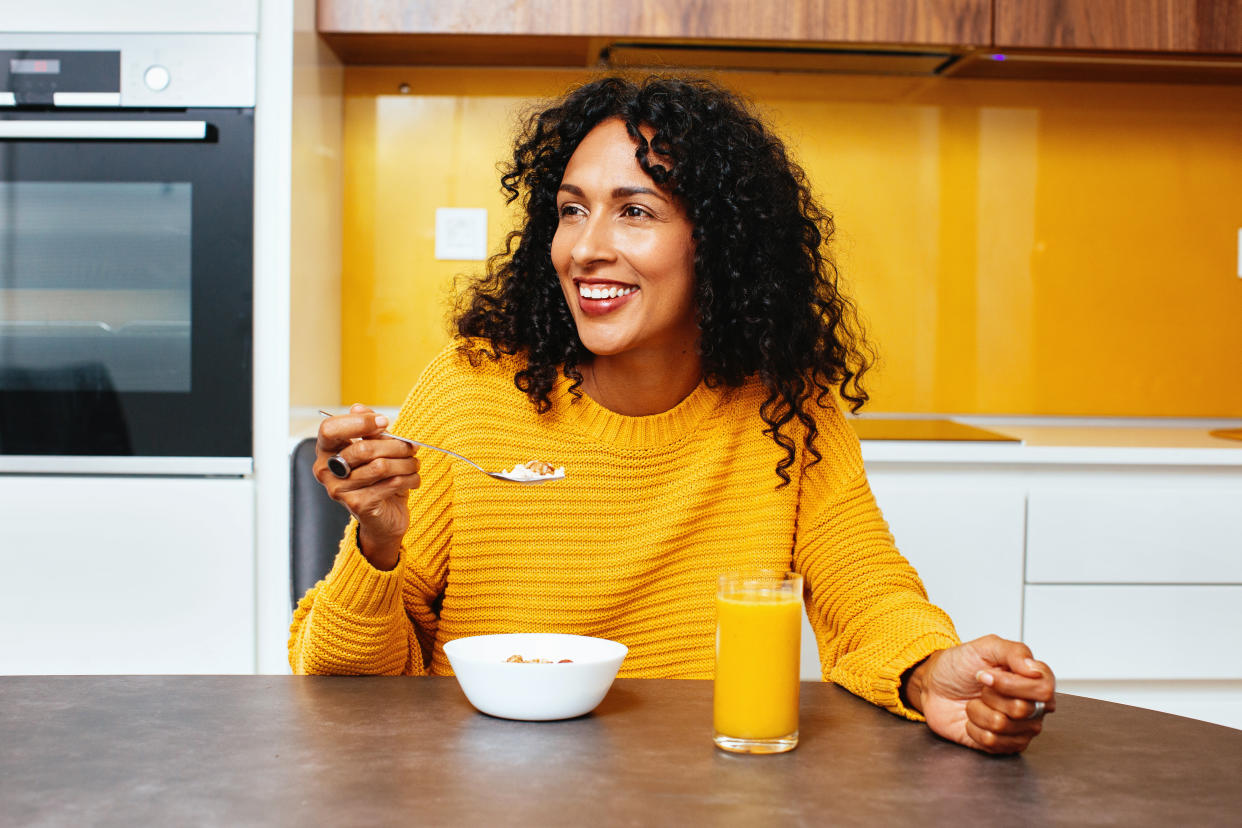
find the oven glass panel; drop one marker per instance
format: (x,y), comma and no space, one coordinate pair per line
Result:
(95,286)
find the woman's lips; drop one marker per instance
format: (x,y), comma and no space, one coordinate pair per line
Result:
(597,298)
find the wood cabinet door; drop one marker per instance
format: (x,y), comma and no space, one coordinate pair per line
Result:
(1208,26)
(922,22)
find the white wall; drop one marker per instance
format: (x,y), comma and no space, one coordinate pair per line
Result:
(217,16)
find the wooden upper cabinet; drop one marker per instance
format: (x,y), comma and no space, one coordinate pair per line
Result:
(1073,39)
(1202,26)
(914,22)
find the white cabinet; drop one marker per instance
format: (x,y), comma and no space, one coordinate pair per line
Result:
(963,532)
(1119,531)
(1120,567)
(1126,631)
(126,575)
(132,16)
(1134,585)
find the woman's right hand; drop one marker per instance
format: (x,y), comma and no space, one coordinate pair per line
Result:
(376,492)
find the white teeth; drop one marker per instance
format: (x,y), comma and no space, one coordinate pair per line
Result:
(611,292)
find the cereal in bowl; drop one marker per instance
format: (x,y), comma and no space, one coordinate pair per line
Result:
(517,659)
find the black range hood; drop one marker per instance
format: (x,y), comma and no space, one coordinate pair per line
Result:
(776,58)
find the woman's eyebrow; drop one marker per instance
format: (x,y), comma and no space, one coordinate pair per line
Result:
(626,192)
(618,192)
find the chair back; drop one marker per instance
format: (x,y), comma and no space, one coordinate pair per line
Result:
(316,524)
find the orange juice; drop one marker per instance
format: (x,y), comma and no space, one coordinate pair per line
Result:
(758,632)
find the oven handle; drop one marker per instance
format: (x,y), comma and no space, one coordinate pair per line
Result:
(104,130)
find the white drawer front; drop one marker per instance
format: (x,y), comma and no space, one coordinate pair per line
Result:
(1136,632)
(965,540)
(126,575)
(1154,536)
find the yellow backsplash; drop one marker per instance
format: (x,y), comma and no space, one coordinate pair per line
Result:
(1015,247)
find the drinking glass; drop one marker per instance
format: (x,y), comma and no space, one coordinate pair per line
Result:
(758,646)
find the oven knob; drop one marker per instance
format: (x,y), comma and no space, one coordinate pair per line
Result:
(156,78)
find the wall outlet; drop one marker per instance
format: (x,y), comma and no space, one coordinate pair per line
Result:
(461,233)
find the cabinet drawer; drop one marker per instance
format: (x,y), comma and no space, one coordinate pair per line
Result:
(127,575)
(1155,536)
(965,539)
(1123,632)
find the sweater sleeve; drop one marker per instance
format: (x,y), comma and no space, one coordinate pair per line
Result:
(352,622)
(865,602)
(361,621)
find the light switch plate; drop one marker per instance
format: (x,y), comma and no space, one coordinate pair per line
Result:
(461,233)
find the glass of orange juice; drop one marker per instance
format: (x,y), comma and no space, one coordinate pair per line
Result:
(758,645)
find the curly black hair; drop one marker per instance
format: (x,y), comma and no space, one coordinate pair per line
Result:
(766,290)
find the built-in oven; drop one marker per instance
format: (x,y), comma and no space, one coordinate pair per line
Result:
(126,253)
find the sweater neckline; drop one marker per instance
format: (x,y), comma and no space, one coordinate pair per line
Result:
(646,431)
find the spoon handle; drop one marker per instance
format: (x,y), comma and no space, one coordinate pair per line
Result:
(408,441)
(434,448)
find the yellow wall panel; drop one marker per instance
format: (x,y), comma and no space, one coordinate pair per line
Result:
(1014,247)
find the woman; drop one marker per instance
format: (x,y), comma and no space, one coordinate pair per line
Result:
(665,326)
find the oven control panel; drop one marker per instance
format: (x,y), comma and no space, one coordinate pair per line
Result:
(40,77)
(108,71)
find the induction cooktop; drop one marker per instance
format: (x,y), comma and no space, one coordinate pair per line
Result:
(914,429)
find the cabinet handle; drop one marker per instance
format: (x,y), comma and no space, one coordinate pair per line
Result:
(104,130)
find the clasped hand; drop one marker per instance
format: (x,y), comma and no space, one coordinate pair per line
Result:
(983,694)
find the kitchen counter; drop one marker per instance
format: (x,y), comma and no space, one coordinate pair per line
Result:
(1112,436)
(1059,443)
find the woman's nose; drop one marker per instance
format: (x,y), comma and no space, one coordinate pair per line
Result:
(594,242)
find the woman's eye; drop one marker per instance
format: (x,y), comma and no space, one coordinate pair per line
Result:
(633,211)
(567,210)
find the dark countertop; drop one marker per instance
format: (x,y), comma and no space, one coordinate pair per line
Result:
(284,750)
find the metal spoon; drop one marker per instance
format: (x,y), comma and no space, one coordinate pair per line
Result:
(338,466)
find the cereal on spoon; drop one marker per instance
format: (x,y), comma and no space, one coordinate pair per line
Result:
(533,470)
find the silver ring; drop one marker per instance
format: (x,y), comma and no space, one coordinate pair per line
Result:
(1038,712)
(338,466)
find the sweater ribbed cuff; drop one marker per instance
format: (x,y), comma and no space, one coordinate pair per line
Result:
(356,584)
(886,690)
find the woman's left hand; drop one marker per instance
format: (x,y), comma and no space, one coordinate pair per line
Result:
(989,694)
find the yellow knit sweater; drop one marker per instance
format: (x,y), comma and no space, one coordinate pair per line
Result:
(627,546)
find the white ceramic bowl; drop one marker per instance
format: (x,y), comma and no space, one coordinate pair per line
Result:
(535,692)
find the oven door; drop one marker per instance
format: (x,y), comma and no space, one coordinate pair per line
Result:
(126,260)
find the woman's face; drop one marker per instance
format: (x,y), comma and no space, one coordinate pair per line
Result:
(623,251)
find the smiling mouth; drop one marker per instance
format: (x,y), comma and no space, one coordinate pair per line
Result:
(605,291)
